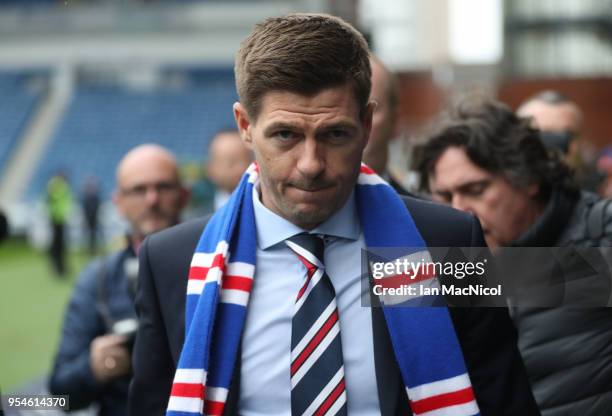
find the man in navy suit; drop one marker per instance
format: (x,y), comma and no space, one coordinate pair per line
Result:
(304,85)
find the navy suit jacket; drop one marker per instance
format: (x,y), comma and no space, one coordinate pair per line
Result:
(486,335)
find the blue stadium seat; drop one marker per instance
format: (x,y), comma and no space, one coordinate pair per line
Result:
(102,123)
(19,99)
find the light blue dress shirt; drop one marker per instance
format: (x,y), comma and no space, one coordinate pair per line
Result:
(265,387)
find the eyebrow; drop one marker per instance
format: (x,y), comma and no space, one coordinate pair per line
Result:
(341,125)
(279,126)
(462,186)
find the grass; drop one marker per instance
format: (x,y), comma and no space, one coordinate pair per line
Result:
(32,302)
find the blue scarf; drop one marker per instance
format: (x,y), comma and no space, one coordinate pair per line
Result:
(220,281)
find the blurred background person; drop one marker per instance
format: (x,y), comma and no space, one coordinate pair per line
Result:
(90,203)
(488,161)
(59,206)
(228,158)
(92,364)
(384,122)
(560,122)
(4,229)
(557,117)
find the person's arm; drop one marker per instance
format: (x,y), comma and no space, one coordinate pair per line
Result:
(72,373)
(489,343)
(152,363)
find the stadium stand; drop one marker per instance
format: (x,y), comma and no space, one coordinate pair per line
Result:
(103,122)
(20,93)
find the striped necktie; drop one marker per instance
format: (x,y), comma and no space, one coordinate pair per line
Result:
(317,368)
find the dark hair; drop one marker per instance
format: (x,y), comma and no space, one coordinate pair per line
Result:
(301,53)
(498,141)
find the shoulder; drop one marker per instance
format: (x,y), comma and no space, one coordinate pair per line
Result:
(443,226)
(168,253)
(591,221)
(179,238)
(88,276)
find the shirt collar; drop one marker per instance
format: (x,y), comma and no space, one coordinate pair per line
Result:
(273,229)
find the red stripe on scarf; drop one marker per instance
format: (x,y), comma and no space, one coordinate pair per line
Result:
(191,390)
(367,170)
(442,400)
(199,273)
(237,283)
(213,408)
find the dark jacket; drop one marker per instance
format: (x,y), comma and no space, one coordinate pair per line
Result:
(568,351)
(100,296)
(487,337)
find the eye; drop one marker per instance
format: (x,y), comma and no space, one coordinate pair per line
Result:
(284,135)
(337,135)
(475,189)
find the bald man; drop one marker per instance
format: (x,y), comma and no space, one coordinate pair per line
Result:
(93,361)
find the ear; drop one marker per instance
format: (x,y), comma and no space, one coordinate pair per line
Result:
(366,121)
(243,123)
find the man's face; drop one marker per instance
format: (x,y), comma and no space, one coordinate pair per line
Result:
(308,149)
(150,196)
(504,211)
(229,158)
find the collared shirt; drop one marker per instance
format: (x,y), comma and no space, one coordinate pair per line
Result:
(265,387)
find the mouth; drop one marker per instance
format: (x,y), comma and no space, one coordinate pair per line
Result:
(311,190)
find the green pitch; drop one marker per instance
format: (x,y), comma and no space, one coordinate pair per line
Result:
(32,303)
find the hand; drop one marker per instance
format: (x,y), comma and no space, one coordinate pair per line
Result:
(109,358)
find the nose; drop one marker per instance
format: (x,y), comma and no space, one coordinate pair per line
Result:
(460,203)
(311,160)
(152,196)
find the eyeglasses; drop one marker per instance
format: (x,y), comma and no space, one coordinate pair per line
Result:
(140,191)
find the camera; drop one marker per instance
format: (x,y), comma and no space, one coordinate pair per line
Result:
(126,327)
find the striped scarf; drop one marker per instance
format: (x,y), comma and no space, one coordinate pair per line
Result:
(220,282)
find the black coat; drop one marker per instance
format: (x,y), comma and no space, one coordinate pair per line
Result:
(568,351)
(487,336)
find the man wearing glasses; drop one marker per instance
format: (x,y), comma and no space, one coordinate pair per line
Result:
(93,361)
